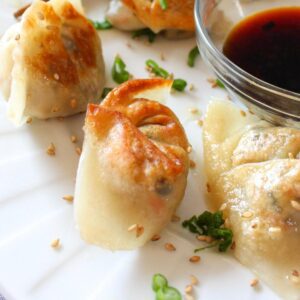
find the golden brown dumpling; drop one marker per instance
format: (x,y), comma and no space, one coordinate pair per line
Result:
(179,14)
(253,172)
(133,168)
(52,62)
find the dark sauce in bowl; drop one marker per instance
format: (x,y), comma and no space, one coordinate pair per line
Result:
(267,45)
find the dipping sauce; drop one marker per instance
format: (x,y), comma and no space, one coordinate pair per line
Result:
(267,45)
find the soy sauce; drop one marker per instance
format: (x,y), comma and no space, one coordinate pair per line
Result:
(267,45)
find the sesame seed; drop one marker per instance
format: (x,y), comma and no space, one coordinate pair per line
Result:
(68,198)
(54,109)
(155,238)
(291,155)
(243,113)
(17,37)
(29,120)
(189,149)
(162,57)
(73,139)
(51,150)
(274,229)
(194,259)
(55,243)
(191,87)
(247,214)
(192,164)
(193,110)
(254,282)
(139,229)
(223,206)
(170,247)
(295,205)
(213,82)
(175,218)
(56,76)
(78,150)
(208,187)
(194,280)
(199,123)
(40,16)
(188,289)
(73,103)
(204,238)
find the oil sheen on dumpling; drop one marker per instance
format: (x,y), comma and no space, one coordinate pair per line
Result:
(178,15)
(52,62)
(133,168)
(253,168)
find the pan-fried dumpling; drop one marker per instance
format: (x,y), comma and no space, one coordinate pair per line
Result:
(52,62)
(133,169)
(178,15)
(254,172)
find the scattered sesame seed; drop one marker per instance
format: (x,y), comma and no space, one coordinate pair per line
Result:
(68,198)
(213,82)
(204,238)
(254,282)
(56,76)
(295,205)
(194,280)
(291,155)
(73,138)
(223,206)
(54,109)
(162,57)
(139,229)
(189,149)
(243,113)
(247,214)
(55,243)
(251,112)
(193,110)
(170,247)
(274,229)
(175,218)
(188,289)
(73,103)
(208,187)
(29,120)
(155,238)
(78,150)
(227,223)
(191,87)
(199,123)
(194,259)
(40,16)
(17,37)
(51,150)
(192,164)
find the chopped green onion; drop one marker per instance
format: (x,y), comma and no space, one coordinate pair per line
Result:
(193,54)
(119,72)
(158,282)
(145,32)
(168,293)
(156,69)
(104,25)
(105,92)
(179,85)
(163,4)
(220,84)
(210,224)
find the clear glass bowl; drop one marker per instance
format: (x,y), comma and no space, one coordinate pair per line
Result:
(214,20)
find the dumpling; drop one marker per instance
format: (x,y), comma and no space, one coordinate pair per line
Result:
(52,62)
(133,169)
(254,173)
(178,15)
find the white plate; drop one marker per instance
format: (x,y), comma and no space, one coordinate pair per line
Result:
(32,212)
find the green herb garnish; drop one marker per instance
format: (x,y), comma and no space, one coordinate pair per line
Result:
(193,54)
(162,289)
(105,92)
(119,72)
(210,224)
(220,84)
(163,4)
(104,25)
(178,84)
(145,32)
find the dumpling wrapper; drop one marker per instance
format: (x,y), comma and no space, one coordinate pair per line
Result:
(52,62)
(178,16)
(133,168)
(252,167)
